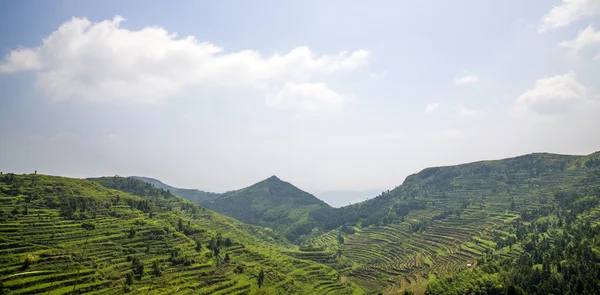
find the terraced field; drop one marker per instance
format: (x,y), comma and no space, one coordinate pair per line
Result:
(393,257)
(71,236)
(467,208)
(41,251)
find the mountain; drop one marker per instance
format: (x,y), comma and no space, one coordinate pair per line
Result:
(271,203)
(62,235)
(194,195)
(346,197)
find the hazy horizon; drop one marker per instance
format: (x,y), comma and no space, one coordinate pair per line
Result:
(329,96)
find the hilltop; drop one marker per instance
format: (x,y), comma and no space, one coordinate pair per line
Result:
(271,203)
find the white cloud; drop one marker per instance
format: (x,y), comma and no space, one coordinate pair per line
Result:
(431,107)
(567,12)
(103,61)
(553,95)
(305,96)
(587,37)
(466,79)
(20,59)
(466,112)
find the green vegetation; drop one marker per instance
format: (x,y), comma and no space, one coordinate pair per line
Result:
(194,195)
(560,253)
(271,203)
(524,225)
(61,235)
(443,219)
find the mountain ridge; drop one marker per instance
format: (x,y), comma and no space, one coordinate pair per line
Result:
(194,195)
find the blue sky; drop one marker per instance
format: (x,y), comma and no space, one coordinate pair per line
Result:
(329,95)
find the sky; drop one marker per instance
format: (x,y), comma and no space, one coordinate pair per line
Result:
(327,95)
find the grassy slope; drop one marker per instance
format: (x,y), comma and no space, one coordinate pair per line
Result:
(394,253)
(65,256)
(272,203)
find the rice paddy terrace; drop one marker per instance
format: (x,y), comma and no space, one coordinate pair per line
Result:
(70,236)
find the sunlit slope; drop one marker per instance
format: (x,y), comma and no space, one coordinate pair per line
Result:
(441,219)
(61,235)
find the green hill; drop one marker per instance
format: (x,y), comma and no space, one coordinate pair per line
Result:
(70,236)
(443,218)
(194,195)
(271,203)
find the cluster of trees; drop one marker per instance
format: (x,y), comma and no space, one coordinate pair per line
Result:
(133,186)
(76,207)
(472,282)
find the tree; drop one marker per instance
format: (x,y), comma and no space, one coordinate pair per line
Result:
(198,246)
(180,225)
(340,238)
(131,232)
(217,251)
(239,269)
(137,267)
(129,278)
(228,242)
(227,258)
(261,278)
(212,244)
(156,268)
